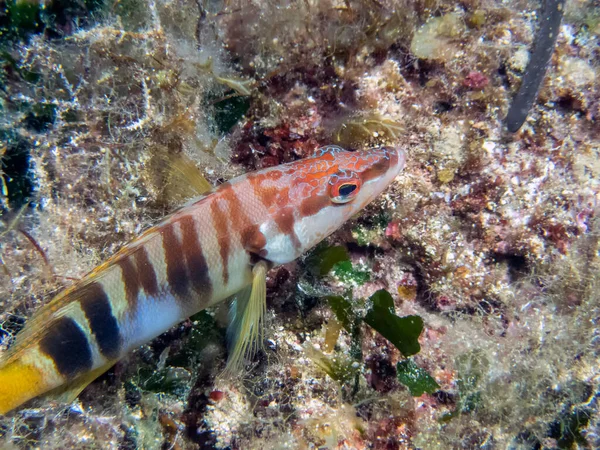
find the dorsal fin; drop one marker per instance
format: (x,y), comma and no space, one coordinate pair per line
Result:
(176,177)
(184,174)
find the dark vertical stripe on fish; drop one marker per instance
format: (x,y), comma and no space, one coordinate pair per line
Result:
(177,275)
(285,221)
(103,324)
(221,226)
(146,272)
(267,194)
(67,345)
(129,276)
(271,196)
(253,240)
(313,205)
(194,258)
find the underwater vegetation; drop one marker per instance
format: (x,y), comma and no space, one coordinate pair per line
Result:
(459,310)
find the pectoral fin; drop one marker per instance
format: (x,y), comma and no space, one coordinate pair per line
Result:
(247,315)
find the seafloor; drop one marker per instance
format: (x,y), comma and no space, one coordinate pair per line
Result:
(492,238)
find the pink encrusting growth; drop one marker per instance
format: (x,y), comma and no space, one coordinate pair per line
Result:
(217,246)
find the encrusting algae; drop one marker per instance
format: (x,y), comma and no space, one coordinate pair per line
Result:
(489,238)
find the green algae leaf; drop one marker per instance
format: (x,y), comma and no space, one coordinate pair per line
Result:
(229,112)
(205,331)
(322,260)
(347,274)
(343,311)
(416,379)
(403,332)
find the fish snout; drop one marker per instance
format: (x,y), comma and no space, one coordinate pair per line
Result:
(397,158)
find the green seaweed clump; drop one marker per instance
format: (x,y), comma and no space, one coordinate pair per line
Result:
(336,260)
(175,370)
(403,332)
(229,111)
(348,274)
(343,312)
(323,258)
(417,380)
(168,380)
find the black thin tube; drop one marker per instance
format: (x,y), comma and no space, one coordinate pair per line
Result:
(543,46)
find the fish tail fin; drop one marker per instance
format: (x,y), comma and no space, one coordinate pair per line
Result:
(20,381)
(50,340)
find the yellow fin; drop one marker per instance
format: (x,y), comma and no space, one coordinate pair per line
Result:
(68,392)
(186,174)
(247,319)
(176,177)
(19,382)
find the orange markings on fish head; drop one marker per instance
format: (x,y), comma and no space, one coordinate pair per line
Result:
(311,198)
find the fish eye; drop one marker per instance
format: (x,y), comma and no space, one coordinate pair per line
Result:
(347,188)
(344,188)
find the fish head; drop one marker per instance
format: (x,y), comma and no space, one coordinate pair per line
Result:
(321,193)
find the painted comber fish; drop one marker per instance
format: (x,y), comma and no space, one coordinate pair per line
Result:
(217,246)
